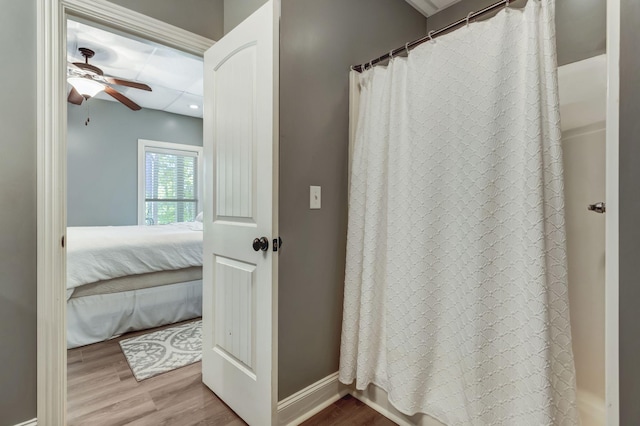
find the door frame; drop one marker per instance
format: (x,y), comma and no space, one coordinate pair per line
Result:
(52,170)
(612,229)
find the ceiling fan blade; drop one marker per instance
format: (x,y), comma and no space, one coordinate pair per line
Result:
(121,82)
(75,97)
(88,67)
(122,98)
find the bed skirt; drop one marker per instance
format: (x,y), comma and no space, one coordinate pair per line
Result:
(96,318)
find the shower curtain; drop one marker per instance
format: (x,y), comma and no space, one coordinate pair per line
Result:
(456,297)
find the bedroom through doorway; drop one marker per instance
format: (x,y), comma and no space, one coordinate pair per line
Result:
(134,228)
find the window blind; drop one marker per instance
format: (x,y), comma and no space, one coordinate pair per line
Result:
(171,186)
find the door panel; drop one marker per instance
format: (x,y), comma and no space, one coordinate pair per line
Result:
(235,296)
(241,181)
(235,85)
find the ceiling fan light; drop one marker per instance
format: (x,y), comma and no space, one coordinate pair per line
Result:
(85,86)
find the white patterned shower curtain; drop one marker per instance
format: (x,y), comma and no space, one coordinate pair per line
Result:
(456,297)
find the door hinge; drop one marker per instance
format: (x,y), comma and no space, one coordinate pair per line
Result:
(277,243)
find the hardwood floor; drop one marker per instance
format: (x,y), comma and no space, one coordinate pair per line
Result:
(101,390)
(348,411)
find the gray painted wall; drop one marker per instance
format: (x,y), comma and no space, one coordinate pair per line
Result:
(18,212)
(236,11)
(102,169)
(629,213)
(319,41)
(204,17)
(313,151)
(18,189)
(580,25)
(315,137)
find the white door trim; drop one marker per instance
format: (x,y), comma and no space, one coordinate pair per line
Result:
(51,174)
(612,350)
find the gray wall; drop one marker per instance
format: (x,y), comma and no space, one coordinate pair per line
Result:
(18,190)
(313,151)
(102,169)
(315,137)
(204,17)
(319,41)
(236,11)
(580,25)
(18,212)
(629,214)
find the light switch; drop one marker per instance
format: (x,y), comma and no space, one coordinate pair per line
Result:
(314,197)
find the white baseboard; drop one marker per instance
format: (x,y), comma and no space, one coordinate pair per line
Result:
(591,408)
(32,422)
(378,399)
(310,401)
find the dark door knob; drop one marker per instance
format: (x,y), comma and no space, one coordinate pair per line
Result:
(261,244)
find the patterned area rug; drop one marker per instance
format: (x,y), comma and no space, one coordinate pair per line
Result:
(163,350)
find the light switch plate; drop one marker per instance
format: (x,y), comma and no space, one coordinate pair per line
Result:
(315,197)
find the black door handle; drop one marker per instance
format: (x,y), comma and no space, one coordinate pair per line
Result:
(261,244)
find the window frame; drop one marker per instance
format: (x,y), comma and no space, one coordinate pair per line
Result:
(145,145)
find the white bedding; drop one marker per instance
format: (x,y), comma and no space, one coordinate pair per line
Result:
(96,318)
(106,252)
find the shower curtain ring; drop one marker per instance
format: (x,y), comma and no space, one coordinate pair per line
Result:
(429,35)
(406,47)
(506,3)
(469,17)
(371,64)
(390,54)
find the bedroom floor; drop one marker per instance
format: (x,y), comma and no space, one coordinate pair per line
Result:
(101,390)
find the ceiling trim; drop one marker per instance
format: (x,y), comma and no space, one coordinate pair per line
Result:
(423,6)
(121,18)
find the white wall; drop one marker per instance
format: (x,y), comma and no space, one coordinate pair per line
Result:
(584,165)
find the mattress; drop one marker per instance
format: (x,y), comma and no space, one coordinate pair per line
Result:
(138,282)
(107,252)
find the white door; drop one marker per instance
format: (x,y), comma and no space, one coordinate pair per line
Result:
(241,198)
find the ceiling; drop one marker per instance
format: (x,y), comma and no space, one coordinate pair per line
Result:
(175,77)
(429,7)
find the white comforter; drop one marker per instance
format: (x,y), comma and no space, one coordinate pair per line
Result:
(106,252)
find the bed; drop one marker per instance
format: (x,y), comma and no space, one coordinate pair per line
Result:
(126,278)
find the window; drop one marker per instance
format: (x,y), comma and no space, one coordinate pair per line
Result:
(169,182)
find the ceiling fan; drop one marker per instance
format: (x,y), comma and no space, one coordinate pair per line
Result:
(88,80)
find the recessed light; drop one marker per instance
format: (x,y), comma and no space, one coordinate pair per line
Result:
(194,106)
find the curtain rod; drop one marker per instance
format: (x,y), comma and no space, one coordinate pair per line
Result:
(431,35)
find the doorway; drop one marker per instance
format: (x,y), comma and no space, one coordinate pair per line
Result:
(134,186)
(52,176)
(52,182)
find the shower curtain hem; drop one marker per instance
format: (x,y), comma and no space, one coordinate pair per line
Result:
(395,405)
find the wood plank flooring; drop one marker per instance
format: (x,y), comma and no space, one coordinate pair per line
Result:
(101,390)
(348,411)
